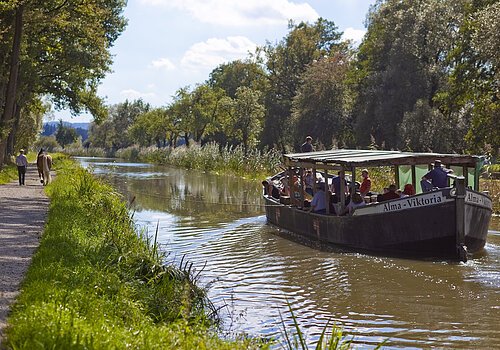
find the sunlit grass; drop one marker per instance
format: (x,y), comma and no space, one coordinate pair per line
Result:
(8,174)
(97,283)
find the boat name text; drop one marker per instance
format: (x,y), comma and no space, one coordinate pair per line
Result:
(477,199)
(413,202)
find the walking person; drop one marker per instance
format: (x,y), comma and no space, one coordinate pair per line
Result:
(22,164)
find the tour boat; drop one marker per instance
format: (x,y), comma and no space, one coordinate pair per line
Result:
(445,223)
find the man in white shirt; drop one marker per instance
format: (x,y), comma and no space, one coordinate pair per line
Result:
(22,164)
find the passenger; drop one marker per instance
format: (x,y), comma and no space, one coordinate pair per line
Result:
(336,185)
(437,177)
(318,203)
(307,146)
(309,182)
(270,189)
(408,190)
(355,202)
(380,196)
(391,194)
(366,185)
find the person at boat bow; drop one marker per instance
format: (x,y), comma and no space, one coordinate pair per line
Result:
(437,177)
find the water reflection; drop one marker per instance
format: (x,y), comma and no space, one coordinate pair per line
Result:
(219,221)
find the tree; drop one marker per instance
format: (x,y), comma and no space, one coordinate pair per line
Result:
(65,135)
(402,60)
(248,116)
(322,105)
(55,49)
(473,79)
(285,63)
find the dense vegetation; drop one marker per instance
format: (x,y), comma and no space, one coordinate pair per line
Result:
(96,283)
(421,80)
(424,78)
(55,51)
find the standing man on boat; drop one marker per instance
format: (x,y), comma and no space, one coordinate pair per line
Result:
(437,176)
(307,146)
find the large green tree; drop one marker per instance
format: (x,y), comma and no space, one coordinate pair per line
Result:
(473,84)
(402,60)
(323,103)
(58,49)
(285,63)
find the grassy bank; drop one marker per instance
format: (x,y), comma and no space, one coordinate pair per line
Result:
(96,283)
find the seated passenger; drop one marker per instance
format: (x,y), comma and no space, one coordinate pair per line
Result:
(270,189)
(408,190)
(391,194)
(318,203)
(355,202)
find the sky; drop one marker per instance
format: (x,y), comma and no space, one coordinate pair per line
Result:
(169,44)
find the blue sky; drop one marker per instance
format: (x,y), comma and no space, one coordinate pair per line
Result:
(170,44)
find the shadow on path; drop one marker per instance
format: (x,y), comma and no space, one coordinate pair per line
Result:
(23,212)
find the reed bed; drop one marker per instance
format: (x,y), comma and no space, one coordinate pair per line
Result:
(210,157)
(96,282)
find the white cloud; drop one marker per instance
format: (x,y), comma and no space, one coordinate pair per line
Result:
(242,13)
(132,94)
(214,51)
(356,35)
(163,64)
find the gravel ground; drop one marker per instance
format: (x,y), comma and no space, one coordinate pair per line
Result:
(23,212)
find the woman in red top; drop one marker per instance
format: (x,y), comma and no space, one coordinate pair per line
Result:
(366,184)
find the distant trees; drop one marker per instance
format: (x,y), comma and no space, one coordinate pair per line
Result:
(424,78)
(65,135)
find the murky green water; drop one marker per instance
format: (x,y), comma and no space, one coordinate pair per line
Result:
(219,221)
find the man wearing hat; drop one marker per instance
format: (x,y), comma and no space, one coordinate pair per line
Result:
(307,146)
(22,163)
(437,176)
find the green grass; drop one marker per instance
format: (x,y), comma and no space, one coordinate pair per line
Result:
(8,174)
(96,283)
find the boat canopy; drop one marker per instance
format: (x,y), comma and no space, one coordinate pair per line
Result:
(409,166)
(348,158)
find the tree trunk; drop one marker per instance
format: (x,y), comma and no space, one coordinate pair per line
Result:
(12,137)
(10,97)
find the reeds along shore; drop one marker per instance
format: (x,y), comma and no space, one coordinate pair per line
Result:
(97,283)
(209,157)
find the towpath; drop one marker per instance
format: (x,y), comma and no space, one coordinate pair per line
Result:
(23,212)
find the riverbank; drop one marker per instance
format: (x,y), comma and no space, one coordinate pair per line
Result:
(23,214)
(95,282)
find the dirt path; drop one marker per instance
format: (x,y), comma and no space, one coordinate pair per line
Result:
(23,212)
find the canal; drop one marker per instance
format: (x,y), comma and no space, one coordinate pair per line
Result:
(256,276)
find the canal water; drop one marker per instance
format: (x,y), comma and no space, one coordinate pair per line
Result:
(256,277)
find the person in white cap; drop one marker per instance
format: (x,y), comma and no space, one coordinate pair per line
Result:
(22,164)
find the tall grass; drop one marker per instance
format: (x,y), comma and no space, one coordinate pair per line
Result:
(8,173)
(97,283)
(209,157)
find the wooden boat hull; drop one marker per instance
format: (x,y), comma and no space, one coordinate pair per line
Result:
(423,225)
